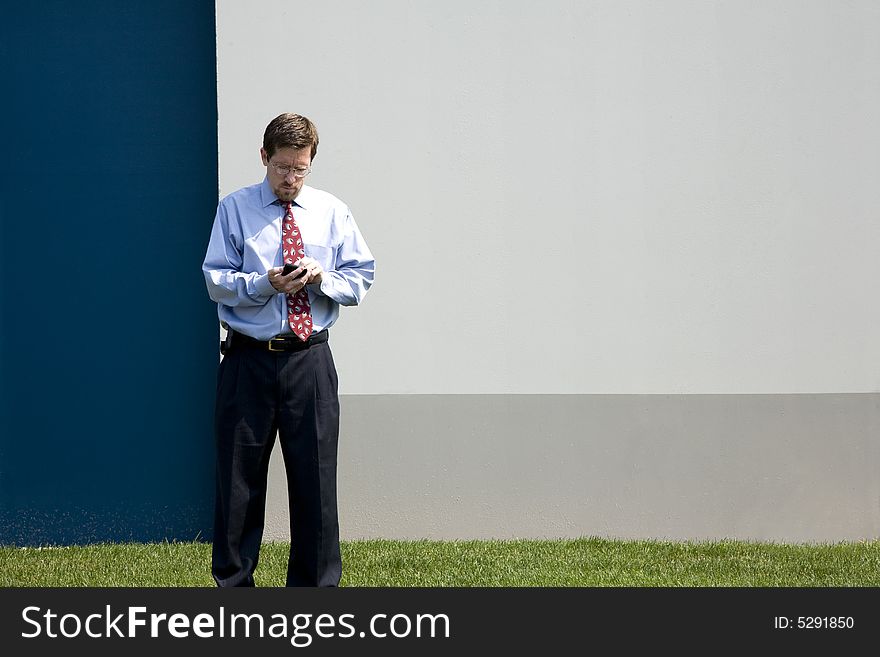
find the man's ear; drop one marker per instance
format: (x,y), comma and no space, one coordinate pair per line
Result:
(264,157)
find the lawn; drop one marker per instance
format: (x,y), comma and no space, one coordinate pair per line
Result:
(581,562)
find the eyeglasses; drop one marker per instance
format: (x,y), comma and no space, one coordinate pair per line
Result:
(285,170)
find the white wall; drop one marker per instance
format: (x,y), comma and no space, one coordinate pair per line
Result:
(603,198)
(585,197)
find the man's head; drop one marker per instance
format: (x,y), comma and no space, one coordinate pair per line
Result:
(289,146)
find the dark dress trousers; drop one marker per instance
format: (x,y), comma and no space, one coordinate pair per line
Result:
(292,393)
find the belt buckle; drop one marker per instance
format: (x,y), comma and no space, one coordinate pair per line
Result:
(271,348)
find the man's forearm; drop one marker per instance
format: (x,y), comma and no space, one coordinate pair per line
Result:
(234,288)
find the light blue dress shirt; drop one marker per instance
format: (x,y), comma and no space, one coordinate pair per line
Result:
(246,242)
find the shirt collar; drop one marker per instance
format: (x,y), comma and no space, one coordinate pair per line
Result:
(267,196)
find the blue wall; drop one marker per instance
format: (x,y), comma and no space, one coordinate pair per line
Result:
(109,186)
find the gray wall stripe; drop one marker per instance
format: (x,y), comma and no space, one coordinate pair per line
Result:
(763,467)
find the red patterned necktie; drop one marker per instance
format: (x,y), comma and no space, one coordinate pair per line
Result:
(299,312)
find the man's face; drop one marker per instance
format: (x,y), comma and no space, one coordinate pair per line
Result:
(286,187)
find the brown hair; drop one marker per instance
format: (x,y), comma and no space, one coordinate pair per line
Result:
(290,131)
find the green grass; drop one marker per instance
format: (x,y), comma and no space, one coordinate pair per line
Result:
(582,562)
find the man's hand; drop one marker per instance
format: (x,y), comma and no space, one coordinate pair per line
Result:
(307,271)
(316,273)
(293,282)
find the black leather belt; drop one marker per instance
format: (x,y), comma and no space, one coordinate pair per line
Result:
(285,343)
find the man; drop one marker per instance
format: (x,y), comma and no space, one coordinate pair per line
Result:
(277,374)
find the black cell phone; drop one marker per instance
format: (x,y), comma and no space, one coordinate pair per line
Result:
(288,268)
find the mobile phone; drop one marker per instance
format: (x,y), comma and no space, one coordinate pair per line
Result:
(289,268)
